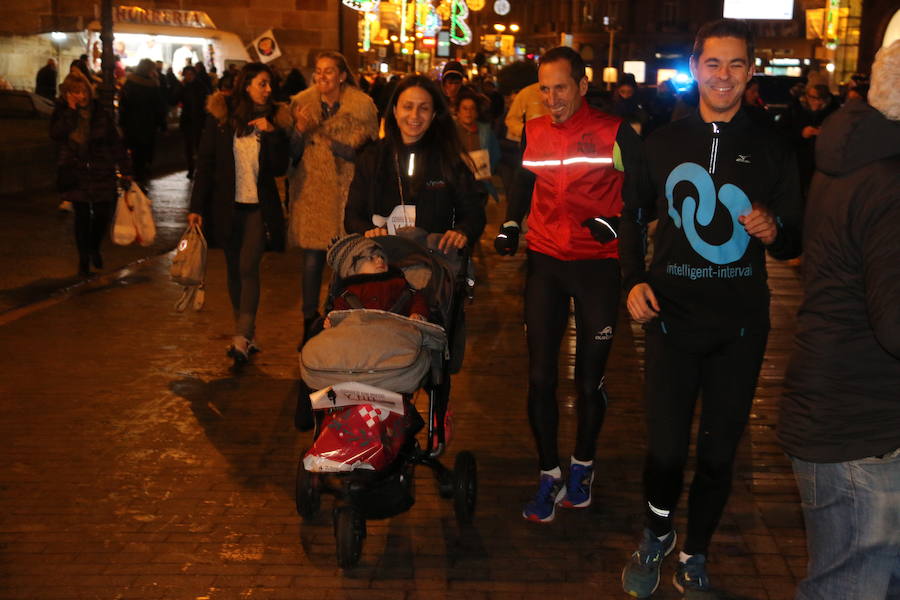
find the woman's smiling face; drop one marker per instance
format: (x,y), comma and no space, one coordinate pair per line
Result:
(414,113)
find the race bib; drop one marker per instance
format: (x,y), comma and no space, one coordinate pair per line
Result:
(402,216)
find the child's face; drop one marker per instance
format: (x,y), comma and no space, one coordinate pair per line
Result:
(371,265)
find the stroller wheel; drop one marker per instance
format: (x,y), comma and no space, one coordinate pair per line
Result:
(349,531)
(465,492)
(306,494)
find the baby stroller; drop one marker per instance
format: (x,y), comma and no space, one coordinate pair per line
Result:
(374,479)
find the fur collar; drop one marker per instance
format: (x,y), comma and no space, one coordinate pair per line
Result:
(353,101)
(218,106)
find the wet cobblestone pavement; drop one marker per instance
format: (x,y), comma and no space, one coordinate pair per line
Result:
(135,465)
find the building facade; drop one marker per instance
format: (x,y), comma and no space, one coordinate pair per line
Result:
(302,28)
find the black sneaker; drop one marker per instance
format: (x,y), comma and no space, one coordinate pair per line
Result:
(640,577)
(691,579)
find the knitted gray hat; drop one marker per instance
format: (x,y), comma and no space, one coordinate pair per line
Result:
(343,251)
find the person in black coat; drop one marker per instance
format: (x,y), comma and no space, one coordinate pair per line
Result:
(142,110)
(45,81)
(191,94)
(244,147)
(90,154)
(839,418)
(807,123)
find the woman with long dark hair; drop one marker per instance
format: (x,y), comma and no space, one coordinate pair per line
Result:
(243,149)
(332,120)
(416,175)
(90,153)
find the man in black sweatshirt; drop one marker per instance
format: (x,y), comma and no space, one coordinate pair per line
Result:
(723,192)
(840,413)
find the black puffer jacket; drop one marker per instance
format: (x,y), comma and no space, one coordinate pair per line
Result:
(842,390)
(441,203)
(213,193)
(142,109)
(87,173)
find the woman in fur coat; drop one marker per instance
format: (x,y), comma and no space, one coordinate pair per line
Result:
(333,119)
(243,149)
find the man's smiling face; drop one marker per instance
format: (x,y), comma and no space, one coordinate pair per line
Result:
(722,72)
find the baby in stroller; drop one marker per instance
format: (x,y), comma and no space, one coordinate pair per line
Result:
(366,280)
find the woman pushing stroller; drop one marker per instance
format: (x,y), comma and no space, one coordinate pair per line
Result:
(415,176)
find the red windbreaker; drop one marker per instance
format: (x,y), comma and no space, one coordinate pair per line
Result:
(578,177)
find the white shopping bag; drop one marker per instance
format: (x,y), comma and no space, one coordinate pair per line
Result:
(143,215)
(123,231)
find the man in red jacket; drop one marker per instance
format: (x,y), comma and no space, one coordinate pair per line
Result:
(577,163)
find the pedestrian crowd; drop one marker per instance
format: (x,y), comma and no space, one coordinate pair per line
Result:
(585,174)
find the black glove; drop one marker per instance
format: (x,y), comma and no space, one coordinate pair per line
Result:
(507,241)
(603,229)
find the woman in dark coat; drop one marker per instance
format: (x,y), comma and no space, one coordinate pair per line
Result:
(243,149)
(90,154)
(418,164)
(142,111)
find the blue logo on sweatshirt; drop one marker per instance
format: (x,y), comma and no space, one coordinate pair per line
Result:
(701,211)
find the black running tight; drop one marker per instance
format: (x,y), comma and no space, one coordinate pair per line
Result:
(723,368)
(550,286)
(92,221)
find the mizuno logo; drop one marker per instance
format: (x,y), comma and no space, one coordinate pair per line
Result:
(743,158)
(604,334)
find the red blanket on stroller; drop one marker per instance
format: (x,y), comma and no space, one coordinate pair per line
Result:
(358,437)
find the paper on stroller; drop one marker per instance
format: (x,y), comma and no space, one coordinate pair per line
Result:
(351,393)
(403,216)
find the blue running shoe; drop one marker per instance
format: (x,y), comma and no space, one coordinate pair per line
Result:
(578,488)
(691,579)
(543,508)
(640,577)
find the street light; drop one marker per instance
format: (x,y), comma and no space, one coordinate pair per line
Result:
(514,28)
(499,27)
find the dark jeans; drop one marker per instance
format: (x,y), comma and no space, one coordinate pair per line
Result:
(678,366)
(313,266)
(92,221)
(550,286)
(142,157)
(852,515)
(191,144)
(243,254)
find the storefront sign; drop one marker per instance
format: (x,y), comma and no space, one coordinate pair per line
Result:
(162,16)
(266,47)
(832,16)
(362,5)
